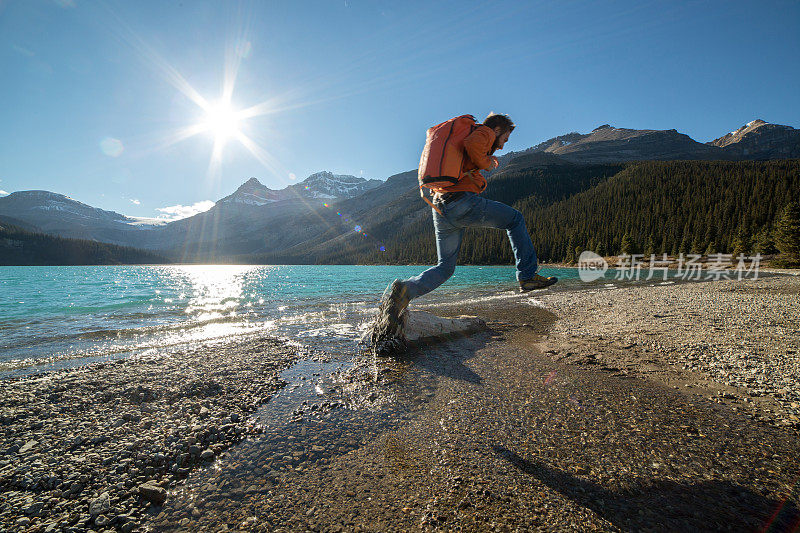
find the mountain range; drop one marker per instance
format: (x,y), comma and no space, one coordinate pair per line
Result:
(605,144)
(309,221)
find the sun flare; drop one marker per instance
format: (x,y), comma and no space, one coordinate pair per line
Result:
(222,121)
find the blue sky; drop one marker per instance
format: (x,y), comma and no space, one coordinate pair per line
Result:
(94,93)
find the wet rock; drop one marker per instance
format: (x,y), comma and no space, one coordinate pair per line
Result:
(419,327)
(153,493)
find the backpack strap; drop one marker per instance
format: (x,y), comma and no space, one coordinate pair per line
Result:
(425,198)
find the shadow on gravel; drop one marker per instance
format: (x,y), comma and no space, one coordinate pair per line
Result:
(447,359)
(668,505)
(291,461)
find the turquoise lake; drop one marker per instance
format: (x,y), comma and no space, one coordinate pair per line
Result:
(54,317)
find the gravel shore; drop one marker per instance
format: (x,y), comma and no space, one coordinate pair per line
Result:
(735,342)
(91,449)
(514,436)
(641,408)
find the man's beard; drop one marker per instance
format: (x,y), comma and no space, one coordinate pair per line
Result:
(495,145)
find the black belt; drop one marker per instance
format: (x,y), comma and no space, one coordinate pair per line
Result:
(450,197)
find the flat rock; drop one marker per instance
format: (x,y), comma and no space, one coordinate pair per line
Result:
(100,505)
(28,446)
(34,509)
(420,327)
(153,493)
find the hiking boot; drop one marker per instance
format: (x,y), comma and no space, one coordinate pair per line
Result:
(536,282)
(387,333)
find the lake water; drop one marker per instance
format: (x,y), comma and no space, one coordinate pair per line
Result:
(53,317)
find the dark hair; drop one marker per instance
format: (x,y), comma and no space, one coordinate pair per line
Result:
(495,120)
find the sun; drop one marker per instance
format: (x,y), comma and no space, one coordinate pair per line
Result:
(222,121)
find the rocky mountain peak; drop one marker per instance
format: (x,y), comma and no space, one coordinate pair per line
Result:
(252,182)
(251,192)
(738,134)
(40,195)
(47,209)
(252,186)
(759,139)
(328,185)
(323,185)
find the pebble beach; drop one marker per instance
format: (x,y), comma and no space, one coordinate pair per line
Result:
(638,408)
(93,448)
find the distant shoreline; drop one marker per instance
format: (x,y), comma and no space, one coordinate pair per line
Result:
(611,260)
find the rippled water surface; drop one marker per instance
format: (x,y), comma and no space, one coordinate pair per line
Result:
(52,317)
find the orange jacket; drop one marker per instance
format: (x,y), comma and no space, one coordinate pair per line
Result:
(478,144)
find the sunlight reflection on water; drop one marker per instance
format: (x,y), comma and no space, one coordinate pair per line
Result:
(73,314)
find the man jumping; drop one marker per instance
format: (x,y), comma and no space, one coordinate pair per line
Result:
(457,205)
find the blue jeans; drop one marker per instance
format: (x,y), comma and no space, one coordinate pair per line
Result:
(472,210)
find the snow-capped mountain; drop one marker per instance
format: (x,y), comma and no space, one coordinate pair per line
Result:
(322,185)
(252,192)
(61,215)
(55,204)
(737,135)
(607,144)
(759,139)
(255,218)
(326,185)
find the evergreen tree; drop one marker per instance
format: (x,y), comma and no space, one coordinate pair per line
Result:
(742,243)
(569,256)
(764,243)
(787,234)
(627,246)
(650,248)
(21,247)
(685,245)
(601,249)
